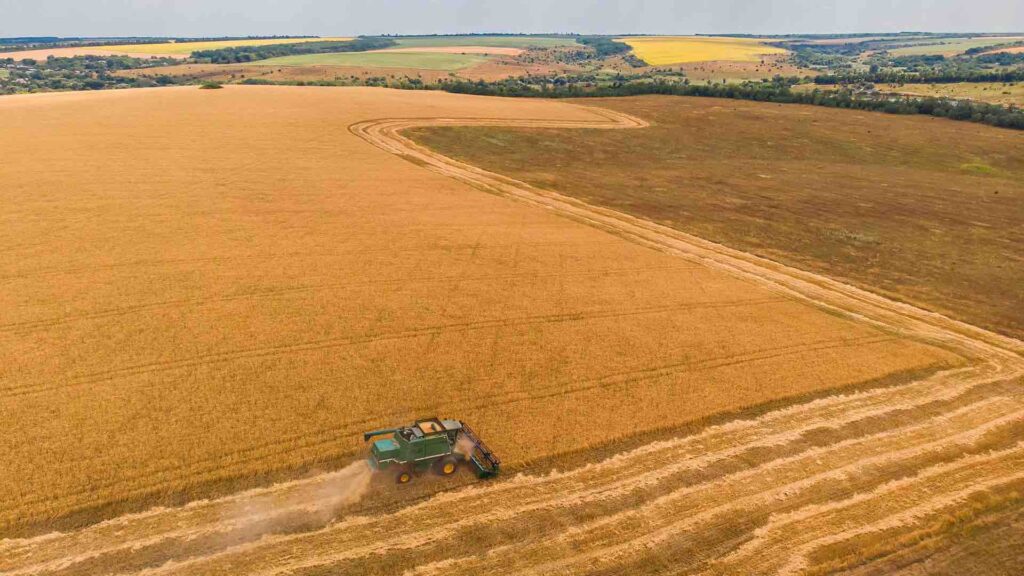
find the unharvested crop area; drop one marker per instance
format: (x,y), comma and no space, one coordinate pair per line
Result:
(208,315)
(225,320)
(865,197)
(165,49)
(664,50)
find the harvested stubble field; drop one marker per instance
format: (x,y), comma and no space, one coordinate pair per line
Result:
(511,41)
(489,69)
(1009,50)
(382,59)
(212,322)
(870,198)
(733,71)
(950,46)
(993,92)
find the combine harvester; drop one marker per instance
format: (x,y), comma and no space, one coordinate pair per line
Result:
(432,443)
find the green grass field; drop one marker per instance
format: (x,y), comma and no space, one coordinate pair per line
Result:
(423,61)
(496,41)
(952,46)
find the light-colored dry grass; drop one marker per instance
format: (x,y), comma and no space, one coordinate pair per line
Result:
(664,50)
(202,288)
(731,71)
(489,50)
(490,69)
(238,72)
(1010,50)
(993,92)
(951,46)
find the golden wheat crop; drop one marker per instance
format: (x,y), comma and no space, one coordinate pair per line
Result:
(180,50)
(203,290)
(662,50)
(311,284)
(190,47)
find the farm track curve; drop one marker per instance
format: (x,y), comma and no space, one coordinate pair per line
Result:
(754,495)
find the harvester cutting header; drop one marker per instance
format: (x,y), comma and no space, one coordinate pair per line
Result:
(432,443)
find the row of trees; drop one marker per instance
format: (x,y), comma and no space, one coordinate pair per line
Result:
(604,46)
(241,54)
(776,91)
(939,76)
(78,73)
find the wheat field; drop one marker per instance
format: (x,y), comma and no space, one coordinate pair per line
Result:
(664,50)
(180,50)
(242,311)
(186,48)
(208,291)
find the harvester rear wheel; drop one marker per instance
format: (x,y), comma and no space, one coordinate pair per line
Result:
(447,466)
(403,477)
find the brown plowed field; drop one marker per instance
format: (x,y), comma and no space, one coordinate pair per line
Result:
(239,281)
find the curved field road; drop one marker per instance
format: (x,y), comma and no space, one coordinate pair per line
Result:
(758,495)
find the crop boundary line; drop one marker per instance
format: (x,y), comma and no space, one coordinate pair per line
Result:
(978,346)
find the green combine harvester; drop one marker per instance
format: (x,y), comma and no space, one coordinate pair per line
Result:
(432,443)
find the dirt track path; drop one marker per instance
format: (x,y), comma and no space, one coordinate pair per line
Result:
(750,496)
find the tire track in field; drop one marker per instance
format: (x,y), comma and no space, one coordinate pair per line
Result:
(888,477)
(29,326)
(620,473)
(412,527)
(328,343)
(524,394)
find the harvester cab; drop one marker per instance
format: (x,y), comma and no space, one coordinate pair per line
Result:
(443,445)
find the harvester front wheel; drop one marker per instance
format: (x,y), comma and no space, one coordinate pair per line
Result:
(447,466)
(403,477)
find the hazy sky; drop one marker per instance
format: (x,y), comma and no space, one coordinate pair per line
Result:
(351,17)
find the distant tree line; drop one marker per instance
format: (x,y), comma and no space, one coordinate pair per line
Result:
(1001,58)
(241,54)
(983,49)
(77,73)
(938,76)
(604,46)
(777,91)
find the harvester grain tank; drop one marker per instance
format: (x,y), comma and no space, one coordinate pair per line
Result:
(433,443)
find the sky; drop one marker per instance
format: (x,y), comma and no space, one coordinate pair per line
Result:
(198,18)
